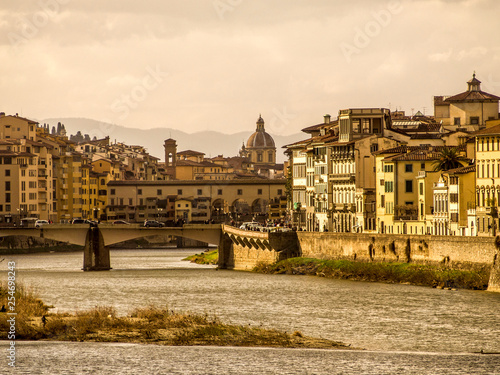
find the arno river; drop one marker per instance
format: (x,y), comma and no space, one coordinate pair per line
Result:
(404,329)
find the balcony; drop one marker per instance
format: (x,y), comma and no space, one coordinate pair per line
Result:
(343,177)
(344,207)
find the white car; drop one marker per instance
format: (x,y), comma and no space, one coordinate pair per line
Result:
(41,223)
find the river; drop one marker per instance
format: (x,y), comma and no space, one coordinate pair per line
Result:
(405,329)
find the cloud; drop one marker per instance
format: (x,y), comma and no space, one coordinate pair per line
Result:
(259,57)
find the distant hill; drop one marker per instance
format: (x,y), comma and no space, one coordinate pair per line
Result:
(210,142)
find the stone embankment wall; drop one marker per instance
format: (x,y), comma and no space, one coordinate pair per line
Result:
(282,246)
(456,251)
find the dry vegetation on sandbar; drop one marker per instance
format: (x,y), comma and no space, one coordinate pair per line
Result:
(144,325)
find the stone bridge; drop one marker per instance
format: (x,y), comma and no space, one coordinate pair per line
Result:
(231,242)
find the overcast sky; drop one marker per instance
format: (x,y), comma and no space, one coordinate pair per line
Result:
(216,64)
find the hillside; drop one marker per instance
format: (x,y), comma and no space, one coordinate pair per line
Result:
(210,142)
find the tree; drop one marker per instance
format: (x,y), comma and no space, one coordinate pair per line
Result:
(449,158)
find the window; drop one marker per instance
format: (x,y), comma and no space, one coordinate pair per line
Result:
(179,191)
(381,182)
(422,166)
(219,191)
(474,120)
(112,192)
(259,157)
(7,185)
(200,192)
(421,186)
(240,191)
(456,120)
(112,201)
(389,186)
(7,172)
(388,168)
(409,186)
(139,191)
(382,201)
(259,191)
(130,202)
(454,198)
(408,168)
(270,157)
(280,192)
(103,181)
(1,208)
(7,197)
(158,192)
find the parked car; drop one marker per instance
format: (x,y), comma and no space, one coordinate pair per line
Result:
(79,221)
(41,223)
(121,222)
(251,225)
(153,223)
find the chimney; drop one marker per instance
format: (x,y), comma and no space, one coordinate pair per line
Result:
(327,119)
(2,114)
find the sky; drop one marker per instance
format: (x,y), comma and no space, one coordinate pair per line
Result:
(198,65)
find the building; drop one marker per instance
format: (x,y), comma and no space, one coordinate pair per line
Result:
(487,155)
(260,148)
(26,180)
(469,109)
(238,200)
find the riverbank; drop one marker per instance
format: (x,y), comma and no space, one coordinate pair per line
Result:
(206,257)
(154,325)
(41,249)
(409,273)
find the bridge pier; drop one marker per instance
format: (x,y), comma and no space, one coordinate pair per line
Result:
(226,252)
(95,254)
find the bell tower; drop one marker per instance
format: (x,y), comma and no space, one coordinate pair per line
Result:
(170,156)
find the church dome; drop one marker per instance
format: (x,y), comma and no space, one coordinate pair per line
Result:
(260,138)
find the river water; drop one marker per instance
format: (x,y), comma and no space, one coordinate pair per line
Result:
(404,329)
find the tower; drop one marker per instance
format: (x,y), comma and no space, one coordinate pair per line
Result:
(170,156)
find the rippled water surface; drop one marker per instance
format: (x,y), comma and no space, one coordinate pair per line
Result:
(405,329)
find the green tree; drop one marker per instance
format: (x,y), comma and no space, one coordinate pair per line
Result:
(449,158)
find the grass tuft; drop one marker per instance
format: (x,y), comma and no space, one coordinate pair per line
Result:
(416,274)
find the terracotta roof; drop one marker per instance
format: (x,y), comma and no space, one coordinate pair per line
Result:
(420,155)
(487,131)
(426,136)
(439,100)
(190,152)
(317,127)
(463,170)
(472,96)
(23,118)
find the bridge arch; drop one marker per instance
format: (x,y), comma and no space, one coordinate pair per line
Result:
(240,207)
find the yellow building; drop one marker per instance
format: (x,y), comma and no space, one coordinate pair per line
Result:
(26,180)
(487,147)
(405,176)
(15,127)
